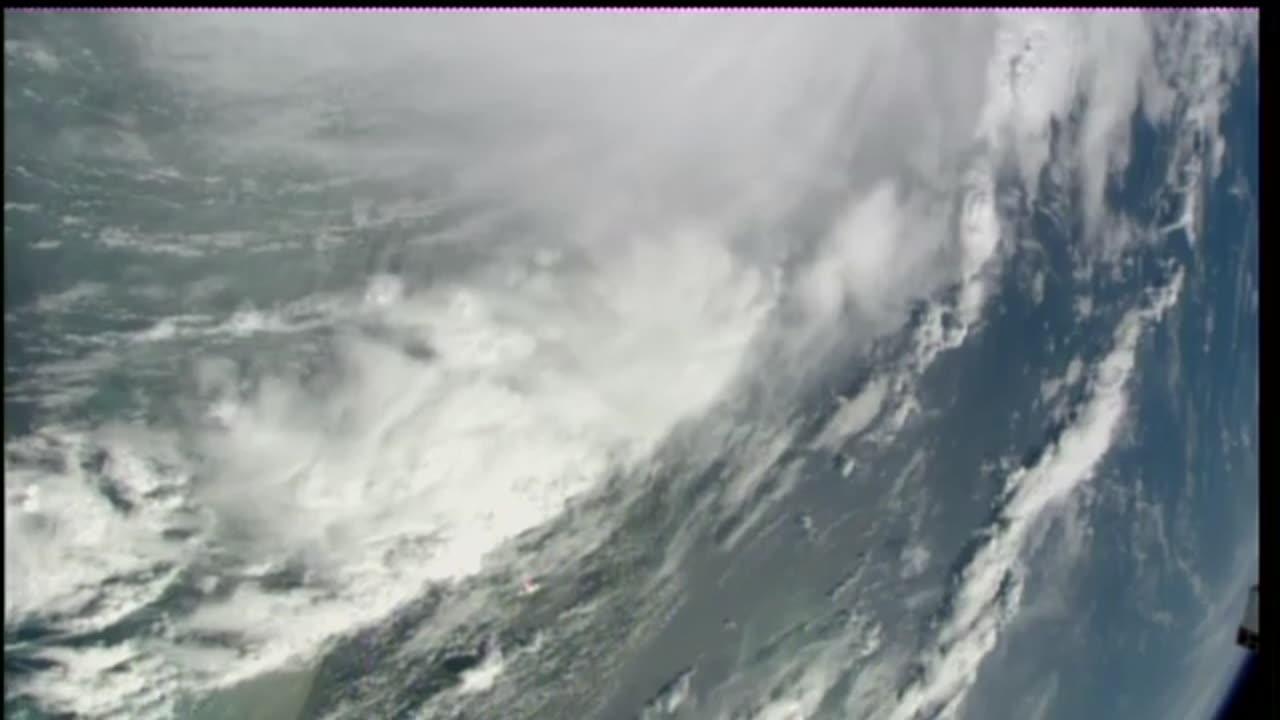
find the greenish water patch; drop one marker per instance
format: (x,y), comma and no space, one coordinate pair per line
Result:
(273,696)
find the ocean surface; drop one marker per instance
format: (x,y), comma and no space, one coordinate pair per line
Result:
(609,365)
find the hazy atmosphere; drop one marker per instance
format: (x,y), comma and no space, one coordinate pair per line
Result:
(628,365)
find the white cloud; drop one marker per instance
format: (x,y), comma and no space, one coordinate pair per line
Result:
(700,187)
(854,414)
(1119,49)
(66,544)
(1083,307)
(1053,390)
(99,679)
(1044,699)
(69,298)
(675,695)
(758,458)
(77,563)
(792,682)
(990,585)
(39,55)
(914,559)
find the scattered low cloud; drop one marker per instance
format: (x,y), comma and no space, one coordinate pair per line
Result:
(989,588)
